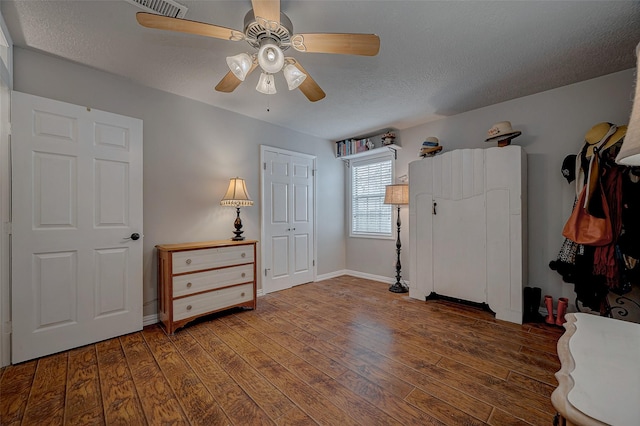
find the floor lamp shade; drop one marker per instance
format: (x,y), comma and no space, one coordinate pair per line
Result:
(397,194)
(629,154)
(237,196)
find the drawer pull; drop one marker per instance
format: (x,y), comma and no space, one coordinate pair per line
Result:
(243,275)
(243,255)
(242,294)
(189,307)
(189,285)
(188,261)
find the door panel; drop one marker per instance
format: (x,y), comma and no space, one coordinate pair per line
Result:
(288,226)
(459,270)
(55,282)
(77,197)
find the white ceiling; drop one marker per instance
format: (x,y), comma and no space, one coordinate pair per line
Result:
(437,58)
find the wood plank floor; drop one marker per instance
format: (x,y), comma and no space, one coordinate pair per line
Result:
(343,351)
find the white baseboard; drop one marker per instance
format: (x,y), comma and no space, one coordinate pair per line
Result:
(358,274)
(332,275)
(150,320)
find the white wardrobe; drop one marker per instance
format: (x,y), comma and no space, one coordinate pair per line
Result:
(467,221)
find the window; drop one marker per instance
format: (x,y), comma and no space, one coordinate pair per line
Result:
(370,217)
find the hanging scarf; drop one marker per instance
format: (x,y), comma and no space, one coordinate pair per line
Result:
(604,258)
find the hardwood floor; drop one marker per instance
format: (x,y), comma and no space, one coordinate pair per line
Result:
(339,352)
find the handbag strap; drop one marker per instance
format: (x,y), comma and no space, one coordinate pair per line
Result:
(593,168)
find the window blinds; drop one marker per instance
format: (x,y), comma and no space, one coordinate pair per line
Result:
(369,213)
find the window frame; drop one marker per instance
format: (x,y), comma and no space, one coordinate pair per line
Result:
(372,159)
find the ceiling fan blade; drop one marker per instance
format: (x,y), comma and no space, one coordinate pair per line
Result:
(309,87)
(160,22)
(267,9)
(346,44)
(229,82)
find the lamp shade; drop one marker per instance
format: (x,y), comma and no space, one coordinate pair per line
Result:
(396,194)
(266,84)
(237,194)
(270,56)
(294,76)
(629,154)
(239,65)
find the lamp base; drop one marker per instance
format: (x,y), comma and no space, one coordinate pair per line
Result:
(398,288)
(238,225)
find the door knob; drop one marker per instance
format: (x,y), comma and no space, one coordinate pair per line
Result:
(134,236)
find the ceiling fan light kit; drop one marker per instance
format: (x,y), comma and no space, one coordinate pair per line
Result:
(266,84)
(270,56)
(269,31)
(240,65)
(294,76)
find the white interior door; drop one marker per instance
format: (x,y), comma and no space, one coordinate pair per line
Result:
(77,201)
(288,242)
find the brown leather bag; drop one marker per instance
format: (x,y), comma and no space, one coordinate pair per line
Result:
(584,228)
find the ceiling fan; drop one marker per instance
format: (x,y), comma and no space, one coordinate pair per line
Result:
(270,31)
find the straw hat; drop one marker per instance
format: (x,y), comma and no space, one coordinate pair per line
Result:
(501,131)
(430,146)
(597,132)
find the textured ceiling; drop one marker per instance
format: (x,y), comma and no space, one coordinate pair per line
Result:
(437,58)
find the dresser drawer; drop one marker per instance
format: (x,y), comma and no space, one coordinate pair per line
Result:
(197,260)
(183,285)
(212,301)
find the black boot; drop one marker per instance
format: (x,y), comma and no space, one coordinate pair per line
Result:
(535,305)
(527,297)
(532,304)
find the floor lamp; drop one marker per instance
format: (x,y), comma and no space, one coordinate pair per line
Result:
(237,196)
(399,195)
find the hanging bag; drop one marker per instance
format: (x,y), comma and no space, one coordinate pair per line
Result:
(584,228)
(588,225)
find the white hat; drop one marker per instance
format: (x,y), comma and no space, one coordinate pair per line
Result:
(501,131)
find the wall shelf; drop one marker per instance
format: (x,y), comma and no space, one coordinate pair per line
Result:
(393,148)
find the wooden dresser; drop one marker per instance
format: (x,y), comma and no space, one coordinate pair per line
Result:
(197,279)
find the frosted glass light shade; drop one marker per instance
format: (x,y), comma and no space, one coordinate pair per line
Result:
(266,84)
(239,65)
(294,76)
(270,57)
(396,194)
(629,154)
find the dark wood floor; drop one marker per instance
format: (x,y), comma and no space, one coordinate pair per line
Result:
(339,352)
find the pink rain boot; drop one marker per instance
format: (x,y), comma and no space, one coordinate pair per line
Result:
(562,309)
(548,302)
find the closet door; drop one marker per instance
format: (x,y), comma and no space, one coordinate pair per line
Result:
(288,241)
(459,226)
(459,249)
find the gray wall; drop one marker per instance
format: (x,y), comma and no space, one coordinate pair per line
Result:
(190,151)
(553,125)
